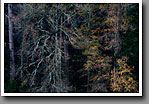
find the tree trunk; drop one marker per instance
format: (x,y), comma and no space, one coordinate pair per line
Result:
(117,36)
(11,43)
(56,51)
(117,39)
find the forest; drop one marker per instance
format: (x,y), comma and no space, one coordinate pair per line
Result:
(71,48)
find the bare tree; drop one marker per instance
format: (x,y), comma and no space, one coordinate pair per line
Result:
(11,43)
(117,37)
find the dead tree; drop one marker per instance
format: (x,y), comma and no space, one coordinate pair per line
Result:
(11,43)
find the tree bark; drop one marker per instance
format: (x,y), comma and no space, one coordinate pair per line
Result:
(56,50)
(117,36)
(117,39)
(11,43)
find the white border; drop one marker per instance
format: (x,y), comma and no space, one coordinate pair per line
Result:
(71,1)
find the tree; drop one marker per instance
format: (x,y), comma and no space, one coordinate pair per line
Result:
(122,80)
(11,43)
(72,47)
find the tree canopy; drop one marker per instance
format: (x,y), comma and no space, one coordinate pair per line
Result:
(71,47)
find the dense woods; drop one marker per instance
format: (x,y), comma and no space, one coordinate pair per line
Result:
(71,48)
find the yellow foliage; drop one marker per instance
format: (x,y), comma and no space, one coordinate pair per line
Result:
(94,37)
(121,82)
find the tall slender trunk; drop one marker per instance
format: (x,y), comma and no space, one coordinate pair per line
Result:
(11,43)
(117,38)
(56,51)
(117,35)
